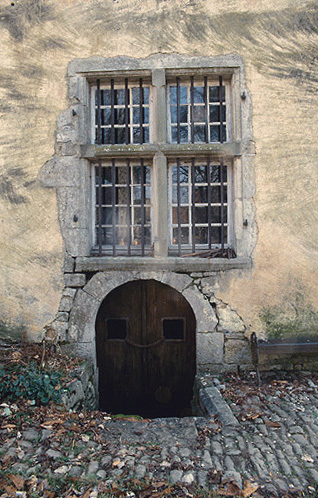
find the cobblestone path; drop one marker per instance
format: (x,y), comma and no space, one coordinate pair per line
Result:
(275,445)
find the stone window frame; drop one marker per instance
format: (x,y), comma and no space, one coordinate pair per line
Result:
(70,169)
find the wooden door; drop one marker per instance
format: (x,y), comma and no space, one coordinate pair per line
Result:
(145,339)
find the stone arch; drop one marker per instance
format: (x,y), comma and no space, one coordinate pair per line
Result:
(88,300)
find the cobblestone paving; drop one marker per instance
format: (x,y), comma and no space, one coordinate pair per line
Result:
(276,445)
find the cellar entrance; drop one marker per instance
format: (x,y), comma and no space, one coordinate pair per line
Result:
(146,352)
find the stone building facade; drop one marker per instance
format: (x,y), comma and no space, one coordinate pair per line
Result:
(59,61)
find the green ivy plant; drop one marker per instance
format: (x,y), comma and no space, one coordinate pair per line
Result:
(29,382)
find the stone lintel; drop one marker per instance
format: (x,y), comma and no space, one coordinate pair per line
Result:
(185,265)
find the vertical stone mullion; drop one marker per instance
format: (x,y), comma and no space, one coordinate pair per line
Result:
(159,177)
(160,204)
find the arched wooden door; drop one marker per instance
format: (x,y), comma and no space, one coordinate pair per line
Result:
(145,339)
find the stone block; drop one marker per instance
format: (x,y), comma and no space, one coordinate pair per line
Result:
(104,282)
(60,329)
(62,316)
(204,313)
(229,320)
(66,303)
(74,279)
(237,351)
(210,348)
(77,241)
(85,350)
(61,172)
(69,263)
(67,133)
(177,281)
(73,207)
(65,118)
(209,285)
(83,316)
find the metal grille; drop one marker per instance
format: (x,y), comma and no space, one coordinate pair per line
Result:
(123,208)
(198,191)
(197,111)
(121,113)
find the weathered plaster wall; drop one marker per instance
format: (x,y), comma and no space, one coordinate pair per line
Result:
(278,42)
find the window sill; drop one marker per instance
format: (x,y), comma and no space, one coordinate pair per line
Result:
(93,151)
(160,264)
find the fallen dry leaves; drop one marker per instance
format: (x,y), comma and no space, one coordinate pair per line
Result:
(231,488)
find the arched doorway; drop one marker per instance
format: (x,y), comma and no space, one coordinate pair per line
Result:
(145,340)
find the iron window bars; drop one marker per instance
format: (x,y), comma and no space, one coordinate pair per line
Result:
(123,207)
(121,113)
(198,111)
(199,206)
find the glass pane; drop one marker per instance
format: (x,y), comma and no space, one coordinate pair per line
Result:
(184,137)
(201,214)
(121,215)
(120,134)
(137,231)
(216,214)
(216,235)
(183,114)
(214,113)
(184,195)
(198,95)
(184,174)
(105,136)
(147,195)
(121,195)
(119,116)
(183,134)
(137,216)
(137,195)
(147,232)
(215,194)
(136,135)
(145,114)
(105,97)
(199,113)
(121,175)
(183,94)
(147,215)
(184,232)
(106,195)
(199,133)
(200,174)
(214,133)
(215,174)
(106,175)
(184,215)
(136,95)
(121,236)
(214,93)
(146,134)
(119,96)
(108,236)
(105,116)
(201,195)
(147,174)
(146,94)
(136,115)
(137,175)
(201,235)
(107,216)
